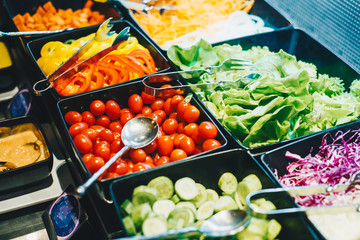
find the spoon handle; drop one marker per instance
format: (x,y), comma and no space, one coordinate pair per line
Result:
(31,33)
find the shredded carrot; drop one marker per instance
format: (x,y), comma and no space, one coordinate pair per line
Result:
(47,17)
(189,16)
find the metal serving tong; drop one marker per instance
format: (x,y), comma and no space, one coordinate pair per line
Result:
(304,191)
(72,65)
(152,83)
(32,33)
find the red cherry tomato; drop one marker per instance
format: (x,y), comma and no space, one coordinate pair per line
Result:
(177,154)
(147,98)
(181,127)
(162,160)
(190,129)
(125,110)
(102,149)
(175,100)
(87,157)
(126,117)
(109,175)
(181,108)
(151,147)
(82,143)
(135,103)
(137,155)
(191,114)
(156,117)
(88,118)
(207,130)
(187,144)
(196,137)
(107,135)
(77,128)
(167,106)
(149,159)
(97,128)
(146,110)
(173,115)
(103,121)
(170,125)
(72,117)
(161,114)
(142,166)
(165,145)
(121,167)
(91,133)
(210,144)
(177,139)
(115,126)
(97,107)
(112,109)
(95,164)
(116,145)
(158,104)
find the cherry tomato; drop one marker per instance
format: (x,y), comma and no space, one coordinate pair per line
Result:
(173,115)
(177,139)
(165,145)
(106,135)
(146,110)
(210,144)
(72,117)
(207,130)
(109,175)
(168,93)
(177,154)
(103,121)
(198,149)
(158,104)
(135,103)
(91,133)
(95,164)
(142,166)
(97,107)
(162,160)
(77,128)
(149,159)
(88,118)
(137,155)
(103,151)
(126,117)
(175,100)
(170,125)
(116,145)
(160,133)
(187,144)
(147,98)
(87,157)
(181,127)
(124,110)
(82,143)
(151,147)
(167,106)
(115,126)
(190,129)
(117,135)
(112,109)
(97,128)
(156,117)
(121,167)
(173,136)
(191,114)
(181,108)
(196,137)
(161,113)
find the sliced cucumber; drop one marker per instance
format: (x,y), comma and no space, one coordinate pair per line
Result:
(180,217)
(154,225)
(265,205)
(249,184)
(144,194)
(126,207)
(186,204)
(228,183)
(140,213)
(201,197)
(254,180)
(164,187)
(274,228)
(212,195)
(205,211)
(225,203)
(129,225)
(186,188)
(175,198)
(163,207)
(236,197)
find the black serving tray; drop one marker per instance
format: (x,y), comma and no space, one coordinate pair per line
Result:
(29,174)
(271,17)
(207,170)
(120,94)
(34,48)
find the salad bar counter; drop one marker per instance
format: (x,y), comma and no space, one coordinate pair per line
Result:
(252,118)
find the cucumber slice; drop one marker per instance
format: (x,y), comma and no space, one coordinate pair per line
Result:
(126,207)
(205,211)
(154,225)
(212,195)
(186,188)
(175,198)
(236,197)
(265,205)
(228,183)
(186,204)
(140,213)
(274,228)
(129,225)
(164,187)
(144,194)
(258,226)
(163,207)
(225,203)
(201,197)
(249,184)
(254,180)
(180,217)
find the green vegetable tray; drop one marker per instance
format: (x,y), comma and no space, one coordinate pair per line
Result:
(207,170)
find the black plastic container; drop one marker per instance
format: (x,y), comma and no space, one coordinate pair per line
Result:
(34,48)
(297,43)
(207,170)
(271,17)
(120,94)
(32,173)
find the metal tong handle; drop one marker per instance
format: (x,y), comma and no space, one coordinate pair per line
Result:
(303,191)
(32,33)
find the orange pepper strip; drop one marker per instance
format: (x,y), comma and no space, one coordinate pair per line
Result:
(112,58)
(134,62)
(124,73)
(97,80)
(111,75)
(145,57)
(80,82)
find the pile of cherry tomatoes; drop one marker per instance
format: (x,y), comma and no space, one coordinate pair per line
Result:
(96,133)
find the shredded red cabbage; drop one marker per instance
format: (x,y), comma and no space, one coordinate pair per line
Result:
(335,163)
